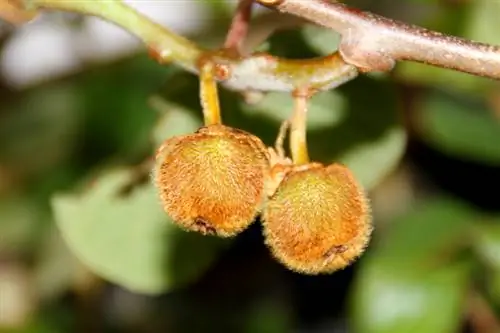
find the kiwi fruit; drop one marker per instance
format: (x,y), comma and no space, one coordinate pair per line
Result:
(318,220)
(212,181)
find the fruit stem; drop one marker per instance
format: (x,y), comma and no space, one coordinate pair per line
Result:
(298,140)
(280,139)
(209,96)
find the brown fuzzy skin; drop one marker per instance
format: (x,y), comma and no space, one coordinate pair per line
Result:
(318,220)
(213,181)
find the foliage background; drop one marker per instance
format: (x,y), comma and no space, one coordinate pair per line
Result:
(81,251)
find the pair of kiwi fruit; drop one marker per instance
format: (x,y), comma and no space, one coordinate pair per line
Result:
(316,218)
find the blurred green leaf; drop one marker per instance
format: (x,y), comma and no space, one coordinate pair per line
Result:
(19,224)
(290,43)
(413,72)
(119,119)
(48,120)
(430,302)
(426,235)
(487,245)
(322,40)
(413,280)
(174,120)
(325,109)
(371,162)
(457,128)
(128,239)
(483,23)
(56,267)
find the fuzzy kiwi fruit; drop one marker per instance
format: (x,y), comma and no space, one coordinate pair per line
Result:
(212,181)
(318,220)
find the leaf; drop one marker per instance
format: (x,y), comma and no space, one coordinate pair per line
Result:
(322,40)
(487,246)
(128,239)
(413,280)
(325,109)
(46,119)
(457,128)
(427,234)
(382,155)
(119,120)
(19,224)
(430,302)
(483,22)
(175,120)
(56,267)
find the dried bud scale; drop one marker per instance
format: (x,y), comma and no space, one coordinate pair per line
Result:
(318,220)
(213,181)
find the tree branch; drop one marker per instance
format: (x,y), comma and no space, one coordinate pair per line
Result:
(374,43)
(257,72)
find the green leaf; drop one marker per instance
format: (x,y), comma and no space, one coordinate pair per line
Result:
(56,268)
(128,239)
(19,224)
(175,120)
(413,280)
(382,156)
(47,119)
(431,302)
(426,234)
(322,40)
(483,22)
(118,119)
(487,246)
(457,128)
(325,109)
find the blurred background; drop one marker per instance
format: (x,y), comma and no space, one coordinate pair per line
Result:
(85,246)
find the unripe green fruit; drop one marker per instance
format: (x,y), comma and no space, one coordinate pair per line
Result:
(318,220)
(213,181)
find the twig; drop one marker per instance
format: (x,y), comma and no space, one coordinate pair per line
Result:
(375,43)
(257,72)
(239,26)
